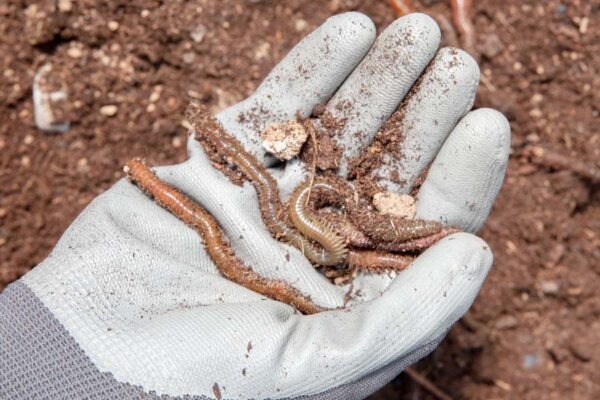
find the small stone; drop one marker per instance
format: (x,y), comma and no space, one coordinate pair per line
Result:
(83,165)
(113,26)
(198,34)
(284,140)
(401,205)
(177,142)
(145,13)
(47,103)
(25,161)
(300,24)
(540,70)
(109,110)
(549,287)
(65,5)
(491,46)
(262,50)
(503,385)
(28,139)
(154,97)
(506,322)
(583,25)
(74,51)
(536,113)
(189,57)
(537,98)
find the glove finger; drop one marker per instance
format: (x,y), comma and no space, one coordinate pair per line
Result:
(305,78)
(417,309)
(375,88)
(441,97)
(239,216)
(467,173)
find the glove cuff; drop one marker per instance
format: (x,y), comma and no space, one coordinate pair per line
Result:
(39,359)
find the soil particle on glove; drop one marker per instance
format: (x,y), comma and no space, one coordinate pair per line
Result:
(401,205)
(284,140)
(216,391)
(328,153)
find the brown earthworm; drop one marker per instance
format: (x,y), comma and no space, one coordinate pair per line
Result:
(218,249)
(356,238)
(375,261)
(271,208)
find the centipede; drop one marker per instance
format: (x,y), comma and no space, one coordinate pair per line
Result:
(380,228)
(371,248)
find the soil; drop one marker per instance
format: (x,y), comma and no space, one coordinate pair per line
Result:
(533,331)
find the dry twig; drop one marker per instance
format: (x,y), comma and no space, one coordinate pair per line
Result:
(427,384)
(401,7)
(551,159)
(461,17)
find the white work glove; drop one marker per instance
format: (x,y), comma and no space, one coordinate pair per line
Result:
(130,305)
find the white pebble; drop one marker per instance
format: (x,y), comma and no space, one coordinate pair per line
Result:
(197,34)
(284,140)
(43,102)
(401,205)
(109,110)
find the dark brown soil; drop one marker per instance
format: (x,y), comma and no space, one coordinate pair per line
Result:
(533,332)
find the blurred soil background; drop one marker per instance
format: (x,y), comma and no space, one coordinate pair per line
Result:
(131,66)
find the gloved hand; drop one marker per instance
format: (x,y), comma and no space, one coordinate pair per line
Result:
(129,304)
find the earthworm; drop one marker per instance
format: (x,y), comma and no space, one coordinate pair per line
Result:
(356,238)
(271,208)
(218,249)
(374,261)
(461,10)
